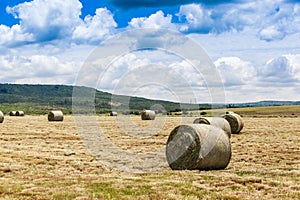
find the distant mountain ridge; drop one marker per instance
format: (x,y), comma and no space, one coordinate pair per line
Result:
(263,103)
(39,99)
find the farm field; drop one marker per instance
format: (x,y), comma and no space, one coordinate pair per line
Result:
(48,160)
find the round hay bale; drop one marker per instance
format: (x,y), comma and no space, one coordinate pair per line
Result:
(235,121)
(215,121)
(20,113)
(112,113)
(148,115)
(12,113)
(198,146)
(55,115)
(1,117)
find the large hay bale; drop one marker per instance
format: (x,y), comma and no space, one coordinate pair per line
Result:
(215,121)
(20,113)
(12,113)
(148,115)
(55,115)
(1,117)
(235,121)
(113,113)
(198,146)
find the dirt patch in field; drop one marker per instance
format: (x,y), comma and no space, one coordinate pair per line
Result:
(48,160)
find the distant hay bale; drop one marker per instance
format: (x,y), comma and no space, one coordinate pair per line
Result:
(1,117)
(148,115)
(178,113)
(112,113)
(215,121)
(198,146)
(55,115)
(235,121)
(20,113)
(12,113)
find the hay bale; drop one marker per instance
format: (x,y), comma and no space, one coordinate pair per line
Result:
(112,113)
(55,115)
(148,115)
(12,113)
(1,117)
(235,121)
(20,113)
(198,146)
(215,121)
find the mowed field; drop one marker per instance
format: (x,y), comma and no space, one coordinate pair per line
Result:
(48,160)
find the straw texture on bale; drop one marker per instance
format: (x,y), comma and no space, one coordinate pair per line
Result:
(55,115)
(198,146)
(235,121)
(20,113)
(215,121)
(12,113)
(1,117)
(113,113)
(148,115)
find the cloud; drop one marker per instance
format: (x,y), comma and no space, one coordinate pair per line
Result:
(270,21)
(216,19)
(235,72)
(196,18)
(114,73)
(271,33)
(280,21)
(157,20)
(160,3)
(242,78)
(277,79)
(59,20)
(11,36)
(156,81)
(148,73)
(95,28)
(47,20)
(281,71)
(36,69)
(44,21)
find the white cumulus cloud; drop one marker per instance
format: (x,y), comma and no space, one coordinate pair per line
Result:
(157,20)
(36,68)
(197,18)
(234,71)
(44,21)
(281,71)
(281,19)
(271,33)
(47,20)
(269,20)
(95,28)
(12,36)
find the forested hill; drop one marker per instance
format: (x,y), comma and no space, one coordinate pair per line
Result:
(39,99)
(17,93)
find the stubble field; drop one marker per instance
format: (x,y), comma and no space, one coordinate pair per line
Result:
(48,160)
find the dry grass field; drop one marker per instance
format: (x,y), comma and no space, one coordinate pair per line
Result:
(47,160)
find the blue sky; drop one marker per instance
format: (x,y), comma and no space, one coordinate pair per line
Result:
(254,45)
